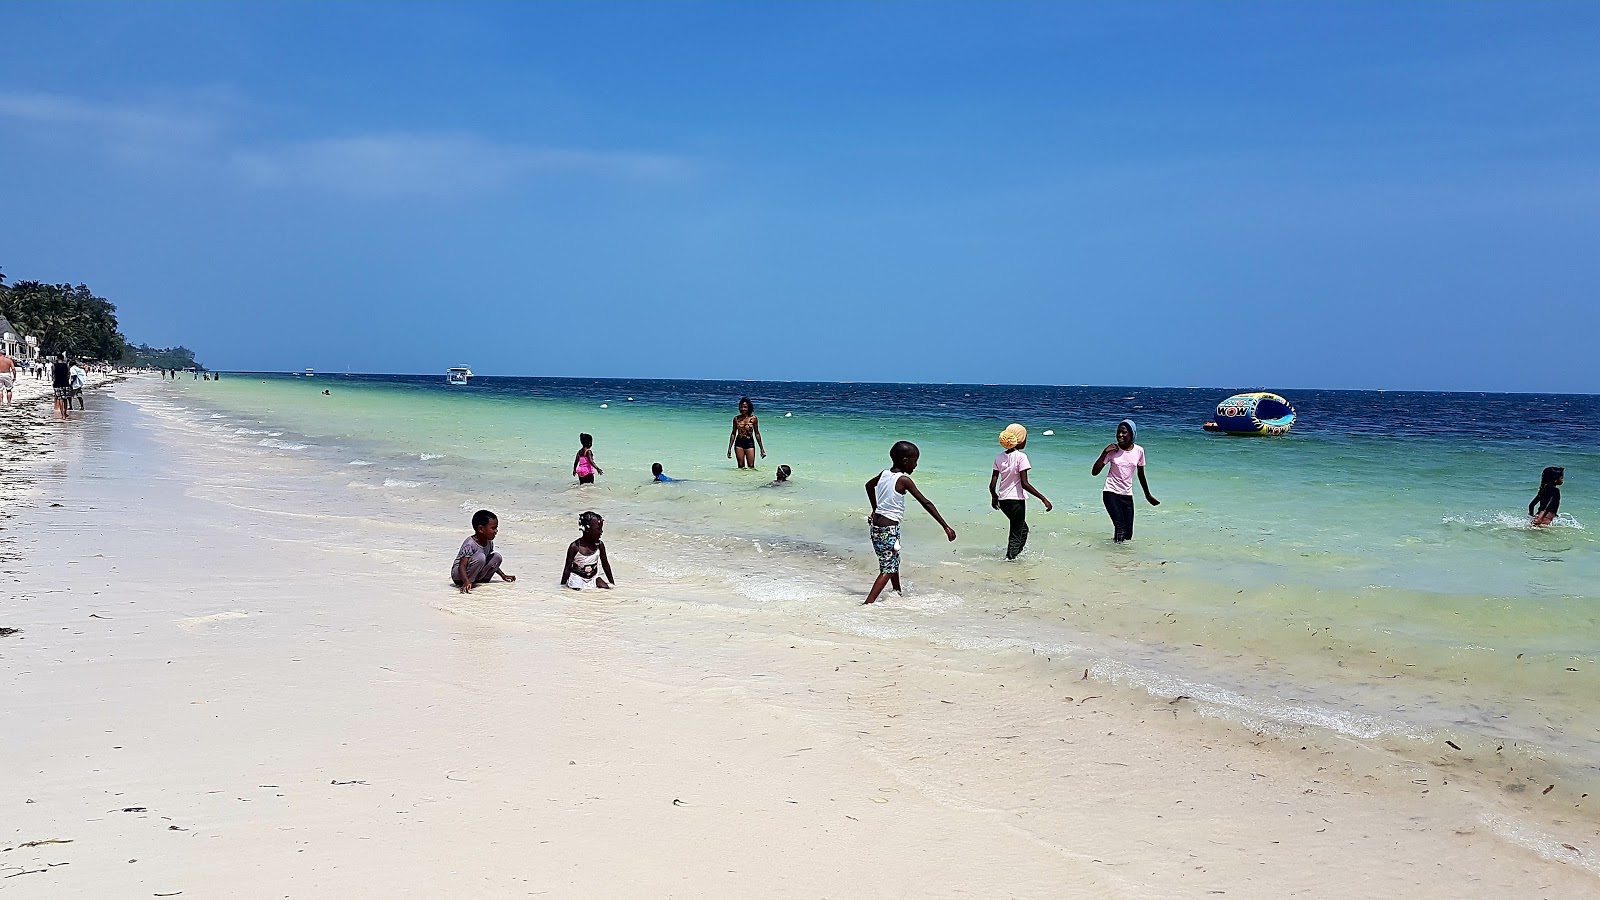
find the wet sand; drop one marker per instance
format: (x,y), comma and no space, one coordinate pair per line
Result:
(227,686)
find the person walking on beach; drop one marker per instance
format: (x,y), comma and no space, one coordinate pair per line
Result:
(1009,487)
(1549,497)
(583,464)
(8,378)
(587,564)
(1124,458)
(75,377)
(746,436)
(61,386)
(886,492)
(476,562)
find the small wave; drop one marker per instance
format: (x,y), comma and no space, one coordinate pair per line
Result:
(427,456)
(1514,521)
(1362,726)
(250,431)
(358,462)
(280,445)
(362,486)
(395,482)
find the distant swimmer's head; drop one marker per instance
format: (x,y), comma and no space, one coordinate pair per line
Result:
(1013,437)
(1553,476)
(904,455)
(1125,432)
(586,440)
(485,524)
(655,469)
(590,523)
(746,408)
(783,473)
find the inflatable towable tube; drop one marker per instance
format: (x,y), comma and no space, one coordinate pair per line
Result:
(1255,413)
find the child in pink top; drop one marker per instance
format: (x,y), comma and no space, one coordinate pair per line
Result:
(1009,487)
(1124,458)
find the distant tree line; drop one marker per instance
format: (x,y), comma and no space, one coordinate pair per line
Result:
(144,356)
(73,320)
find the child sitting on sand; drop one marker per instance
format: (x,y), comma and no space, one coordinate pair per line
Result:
(1549,497)
(476,562)
(887,494)
(661,476)
(583,464)
(586,557)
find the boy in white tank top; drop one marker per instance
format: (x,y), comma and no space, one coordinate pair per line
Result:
(887,494)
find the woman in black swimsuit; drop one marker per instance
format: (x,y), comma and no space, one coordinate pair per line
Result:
(746,436)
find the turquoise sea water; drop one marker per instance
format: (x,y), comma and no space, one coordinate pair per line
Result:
(1371,576)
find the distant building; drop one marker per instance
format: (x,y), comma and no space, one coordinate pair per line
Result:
(19,348)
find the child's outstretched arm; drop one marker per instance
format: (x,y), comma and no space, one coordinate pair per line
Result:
(1535,501)
(597,469)
(461,570)
(994,497)
(566,569)
(872,494)
(1146,485)
(911,488)
(605,564)
(1029,488)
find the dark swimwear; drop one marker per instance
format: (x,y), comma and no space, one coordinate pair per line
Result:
(1548,501)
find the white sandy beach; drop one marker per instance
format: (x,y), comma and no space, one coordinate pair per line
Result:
(225,685)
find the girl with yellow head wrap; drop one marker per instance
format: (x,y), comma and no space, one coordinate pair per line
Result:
(1009,487)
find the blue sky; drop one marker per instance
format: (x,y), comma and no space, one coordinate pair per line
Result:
(1355,195)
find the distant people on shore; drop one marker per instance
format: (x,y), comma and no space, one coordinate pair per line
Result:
(583,464)
(476,562)
(886,492)
(1548,500)
(659,474)
(1124,458)
(61,386)
(8,378)
(587,565)
(746,436)
(1009,487)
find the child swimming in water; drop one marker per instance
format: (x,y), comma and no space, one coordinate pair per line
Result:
(476,562)
(887,494)
(586,557)
(583,464)
(1549,497)
(659,475)
(782,476)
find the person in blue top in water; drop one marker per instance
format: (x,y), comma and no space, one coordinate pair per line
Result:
(655,469)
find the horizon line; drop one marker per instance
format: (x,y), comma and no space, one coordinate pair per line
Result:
(1163,387)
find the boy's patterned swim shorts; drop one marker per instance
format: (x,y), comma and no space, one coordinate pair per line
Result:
(886,541)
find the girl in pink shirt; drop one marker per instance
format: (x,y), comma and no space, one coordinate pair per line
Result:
(1124,458)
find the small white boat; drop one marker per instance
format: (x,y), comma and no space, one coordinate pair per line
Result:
(458,375)
(310,373)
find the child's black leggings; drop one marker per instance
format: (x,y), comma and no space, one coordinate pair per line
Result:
(1120,506)
(1017,512)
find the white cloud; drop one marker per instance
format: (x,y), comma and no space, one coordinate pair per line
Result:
(125,131)
(198,131)
(433,164)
